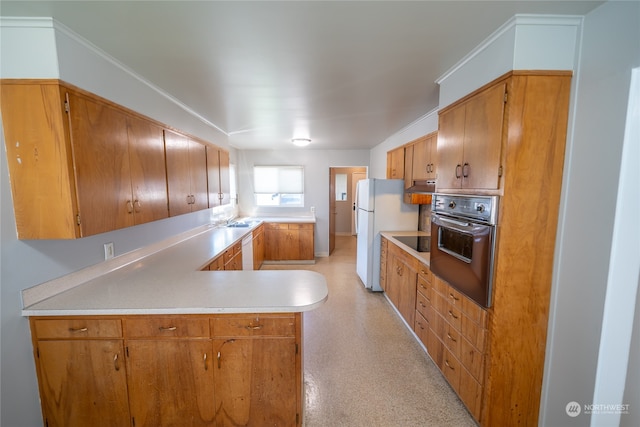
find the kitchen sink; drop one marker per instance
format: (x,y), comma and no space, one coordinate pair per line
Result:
(239,225)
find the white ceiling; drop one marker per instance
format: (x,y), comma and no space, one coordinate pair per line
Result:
(345,74)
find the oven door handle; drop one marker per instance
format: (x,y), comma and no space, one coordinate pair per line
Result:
(454,222)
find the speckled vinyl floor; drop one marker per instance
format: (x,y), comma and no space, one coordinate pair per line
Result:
(362,367)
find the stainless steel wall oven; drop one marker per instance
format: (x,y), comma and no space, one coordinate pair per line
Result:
(463,235)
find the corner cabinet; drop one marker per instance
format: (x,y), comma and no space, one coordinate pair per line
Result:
(219,181)
(200,370)
(80,165)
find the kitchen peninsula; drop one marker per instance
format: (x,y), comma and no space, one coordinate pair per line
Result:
(147,338)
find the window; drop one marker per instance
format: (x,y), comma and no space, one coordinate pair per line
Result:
(279,185)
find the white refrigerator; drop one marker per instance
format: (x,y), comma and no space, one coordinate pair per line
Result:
(379,207)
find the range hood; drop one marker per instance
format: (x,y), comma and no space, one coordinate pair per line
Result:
(420,192)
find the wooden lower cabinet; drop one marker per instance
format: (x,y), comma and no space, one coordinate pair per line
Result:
(289,242)
(194,370)
(258,246)
(171,382)
(401,281)
(83,383)
(452,328)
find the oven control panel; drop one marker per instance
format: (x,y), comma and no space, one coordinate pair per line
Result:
(477,208)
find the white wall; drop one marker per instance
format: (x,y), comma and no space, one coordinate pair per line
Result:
(424,125)
(316,182)
(26,53)
(610,50)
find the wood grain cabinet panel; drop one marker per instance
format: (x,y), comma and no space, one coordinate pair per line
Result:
(171,382)
(470,141)
(218,178)
(81,165)
(170,370)
(289,242)
(186,174)
(395,163)
(258,246)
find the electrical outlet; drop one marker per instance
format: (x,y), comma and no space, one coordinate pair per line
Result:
(108,251)
(313,208)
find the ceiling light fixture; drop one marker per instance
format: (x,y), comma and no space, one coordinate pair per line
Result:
(301,142)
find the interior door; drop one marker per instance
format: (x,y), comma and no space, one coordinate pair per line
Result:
(355,177)
(332,210)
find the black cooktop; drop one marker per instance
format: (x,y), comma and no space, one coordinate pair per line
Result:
(417,243)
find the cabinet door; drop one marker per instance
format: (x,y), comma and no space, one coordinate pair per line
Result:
(255,382)
(407,281)
(42,177)
(432,144)
(421,159)
(395,164)
(171,382)
(148,173)
(178,177)
(258,250)
(83,383)
(218,176)
(225,177)
(101,160)
(198,175)
(306,242)
(483,138)
(450,147)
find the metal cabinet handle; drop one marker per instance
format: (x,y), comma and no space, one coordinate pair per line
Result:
(465,170)
(136,205)
(116,365)
(452,315)
(129,206)
(206,368)
(254,328)
(446,362)
(451,338)
(167,329)
(77,330)
(453,297)
(458,171)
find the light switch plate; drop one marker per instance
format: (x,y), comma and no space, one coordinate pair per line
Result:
(108,251)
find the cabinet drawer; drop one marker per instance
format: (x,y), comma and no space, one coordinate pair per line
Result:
(167,327)
(299,226)
(258,325)
(470,392)
(78,328)
(451,368)
(421,328)
(276,226)
(422,305)
(473,332)
(425,273)
(424,288)
(451,338)
(472,359)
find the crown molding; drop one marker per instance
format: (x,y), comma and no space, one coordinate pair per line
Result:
(519,19)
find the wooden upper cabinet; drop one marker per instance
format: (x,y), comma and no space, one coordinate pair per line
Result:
(40,160)
(395,163)
(420,161)
(148,173)
(218,176)
(80,165)
(100,151)
(470,141)
(186,174)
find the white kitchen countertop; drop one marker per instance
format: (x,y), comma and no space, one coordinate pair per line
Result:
(165,278)
(421,256)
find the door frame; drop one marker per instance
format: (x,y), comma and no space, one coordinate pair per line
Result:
(333,170)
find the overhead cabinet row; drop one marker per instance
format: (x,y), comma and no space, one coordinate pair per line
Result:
(80,165)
